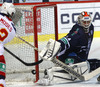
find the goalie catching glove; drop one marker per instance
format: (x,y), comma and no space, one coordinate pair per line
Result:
(51,50)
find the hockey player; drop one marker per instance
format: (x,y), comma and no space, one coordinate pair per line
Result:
(74,47)
(7,33)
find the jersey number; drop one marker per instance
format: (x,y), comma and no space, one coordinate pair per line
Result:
(3,34)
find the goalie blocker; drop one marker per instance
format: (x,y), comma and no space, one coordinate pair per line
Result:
(51,50)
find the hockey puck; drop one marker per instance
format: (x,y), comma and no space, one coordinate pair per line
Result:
(33,72)
(98,79)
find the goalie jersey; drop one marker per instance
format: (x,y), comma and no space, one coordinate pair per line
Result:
(76,44)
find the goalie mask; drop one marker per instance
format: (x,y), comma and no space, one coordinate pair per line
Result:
(8,9)
(84,19)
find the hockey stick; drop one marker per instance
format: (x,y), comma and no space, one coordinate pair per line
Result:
(68,68)
(27,64)
(28,43)
(92,74)
(74,73)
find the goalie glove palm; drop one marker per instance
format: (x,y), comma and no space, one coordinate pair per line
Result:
(51,50)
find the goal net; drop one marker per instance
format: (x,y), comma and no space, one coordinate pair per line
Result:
(36,26)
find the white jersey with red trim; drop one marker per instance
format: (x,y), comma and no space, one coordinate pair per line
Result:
(7,31)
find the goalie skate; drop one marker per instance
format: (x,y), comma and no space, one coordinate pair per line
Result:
(98,79)
(47,79)
(51,50)
(44,82)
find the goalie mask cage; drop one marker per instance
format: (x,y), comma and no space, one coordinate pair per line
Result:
(36,26)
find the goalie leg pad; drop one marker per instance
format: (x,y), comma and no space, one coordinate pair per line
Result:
(61,76)
(51,50)
(57,75)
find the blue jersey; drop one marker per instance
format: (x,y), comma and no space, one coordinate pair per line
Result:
(76,43)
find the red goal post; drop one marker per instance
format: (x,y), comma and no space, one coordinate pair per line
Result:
(38,26)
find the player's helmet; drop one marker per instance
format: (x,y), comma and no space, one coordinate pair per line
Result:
(84,19)
(8,9)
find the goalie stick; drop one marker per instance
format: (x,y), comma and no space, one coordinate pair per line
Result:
(68,68)
(74,73)
(27,64)
(92,74)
